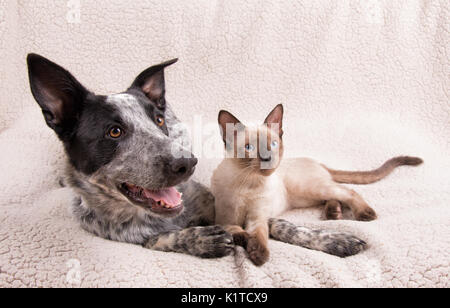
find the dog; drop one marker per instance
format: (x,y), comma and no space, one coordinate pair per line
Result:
(130,168)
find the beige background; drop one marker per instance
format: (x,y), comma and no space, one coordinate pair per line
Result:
(361,81)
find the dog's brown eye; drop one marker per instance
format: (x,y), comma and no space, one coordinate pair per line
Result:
(116,132)
(160,121)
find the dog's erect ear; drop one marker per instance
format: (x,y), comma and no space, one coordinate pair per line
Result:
(57,92)
(153,84)
(227,118)
(275,119)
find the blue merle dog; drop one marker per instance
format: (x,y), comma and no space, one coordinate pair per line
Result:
(129,185)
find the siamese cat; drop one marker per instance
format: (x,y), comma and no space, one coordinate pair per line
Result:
(254,184)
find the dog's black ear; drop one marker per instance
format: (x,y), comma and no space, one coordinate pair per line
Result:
(275,119)
(153,84)
(57,92)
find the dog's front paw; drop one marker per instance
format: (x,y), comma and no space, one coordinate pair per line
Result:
(343,245)
(211,242)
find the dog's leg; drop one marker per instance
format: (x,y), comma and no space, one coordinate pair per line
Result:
(207,242)
(334,243)
(203,242)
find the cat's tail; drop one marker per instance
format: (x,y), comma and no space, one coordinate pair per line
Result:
(369,177)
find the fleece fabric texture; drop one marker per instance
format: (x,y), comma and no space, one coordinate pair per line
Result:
(361,81)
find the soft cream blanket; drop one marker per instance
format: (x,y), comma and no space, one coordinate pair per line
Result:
(362,81)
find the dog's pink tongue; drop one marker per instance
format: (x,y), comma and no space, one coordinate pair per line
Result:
(170,196)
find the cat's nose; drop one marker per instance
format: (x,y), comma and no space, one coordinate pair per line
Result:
(266,160)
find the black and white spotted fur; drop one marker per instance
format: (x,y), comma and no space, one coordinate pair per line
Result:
(97,165)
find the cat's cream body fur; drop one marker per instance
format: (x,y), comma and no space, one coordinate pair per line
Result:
(243,198)
(239,197)
(248,193)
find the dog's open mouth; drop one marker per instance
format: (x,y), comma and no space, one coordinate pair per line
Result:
(164,201)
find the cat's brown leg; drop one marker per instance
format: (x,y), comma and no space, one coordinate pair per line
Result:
(257,246)
(361,210)
(240,236)
(333,210)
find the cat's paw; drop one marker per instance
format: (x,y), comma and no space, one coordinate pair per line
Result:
(241,239)
(209,242)
(257,251)
(367,214)
(343,245)
(333,210)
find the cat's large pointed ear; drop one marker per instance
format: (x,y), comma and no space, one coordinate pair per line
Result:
(275,120)
(152,83)
(227,121)
(57,92)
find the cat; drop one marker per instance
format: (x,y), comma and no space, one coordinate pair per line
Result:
(254,184)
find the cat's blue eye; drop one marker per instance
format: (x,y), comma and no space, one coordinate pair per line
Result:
(274,144)
(249,147)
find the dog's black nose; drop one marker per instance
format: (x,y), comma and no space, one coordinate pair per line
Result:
(183,166)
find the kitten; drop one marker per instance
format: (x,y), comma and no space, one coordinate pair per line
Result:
(253,184)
